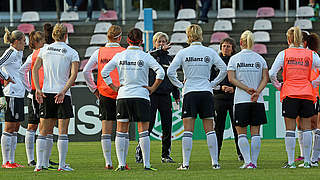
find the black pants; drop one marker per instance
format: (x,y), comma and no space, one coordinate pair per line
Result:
(222,107)
(163,104)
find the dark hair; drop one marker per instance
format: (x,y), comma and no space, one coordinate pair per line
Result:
(313,41)
(135,36)
(230,41)
(47,29)
(35,36)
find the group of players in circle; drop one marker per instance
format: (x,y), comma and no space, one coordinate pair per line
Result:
(132,85)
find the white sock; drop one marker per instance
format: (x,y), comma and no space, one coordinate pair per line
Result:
(63,149)
(255,148)
(47,153)
(316,146)
(120,142)
(300,140)
(244,147)
(14,139)
(213,146)
(144,141)
(6,146)
(40,150)
(127,147)
(186,147)
(29,141)
(106,148)
(307,145)
(290,141)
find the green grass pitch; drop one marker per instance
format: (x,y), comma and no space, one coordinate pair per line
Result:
(87,160)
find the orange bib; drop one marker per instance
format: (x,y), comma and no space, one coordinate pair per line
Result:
(34,58)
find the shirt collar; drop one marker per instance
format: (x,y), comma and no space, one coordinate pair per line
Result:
(292,46)
(196,43)
(133,47)
(113,44)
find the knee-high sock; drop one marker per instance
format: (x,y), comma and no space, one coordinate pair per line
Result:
(120,142)
(290,141)
(186,147)
(13,146)
(6,146)
(307,145)
(300,140)
(127,146)
(255,148)
(244,147)
(316,146)
(47,153)
(29,141)
(213,146)
(144,141)
(40,150)
(62,149)
(106,148)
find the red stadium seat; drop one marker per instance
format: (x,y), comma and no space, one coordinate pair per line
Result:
(26,28)
(265,12)
(109,15)
(218,36)
(260,48)
(69,27)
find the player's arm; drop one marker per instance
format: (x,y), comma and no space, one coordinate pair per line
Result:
(218,62)
(172,71)
(155,66)
(237,83)
(262,85)
(87,73)
(23,71)
(275,68)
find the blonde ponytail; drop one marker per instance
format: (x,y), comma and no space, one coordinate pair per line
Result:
(294,35)
(247,40)
(59,31)
(10,37)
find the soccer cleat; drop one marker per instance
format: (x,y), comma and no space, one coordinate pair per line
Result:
(121,168)
(248,166)
(314,164)
(299,158)
(8,165)
(167,159)
(65,168)
(108,167)
(51,168)
(17,165)
(183,168)
(127,167)
(150,169)
(216,166)
(290,166)
(38,169)
(307,165)
(32,163)
(53,163)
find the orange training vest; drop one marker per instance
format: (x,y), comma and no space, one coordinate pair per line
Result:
(34,57)
(297,74)
(314,75)
(104,56)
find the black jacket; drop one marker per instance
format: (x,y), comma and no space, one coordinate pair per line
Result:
(166,87)
(219,94)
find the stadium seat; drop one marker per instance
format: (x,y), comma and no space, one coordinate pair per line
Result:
(69,16)
(226,13)
(174,49)
(261,36)
(154,15)
(305,11)
(30,16)
(27,40)
(181,26)
(264,12)
(140,25)
(262,24)
(99,39)
(80,78)
(69,27)
(90,50)
(222,25)
(179,38)
(102,27)
(218,36)
(303,23)
(186,14)
(260,48)
(216,47)
(26,28)
(108,16)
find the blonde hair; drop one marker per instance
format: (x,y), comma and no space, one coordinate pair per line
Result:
(59,31)
(114,32)
(194,33)
(247,39)
(158,35)
(34,37)
(294,35)
(10,37)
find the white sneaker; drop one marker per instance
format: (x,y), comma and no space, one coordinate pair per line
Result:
(216,166)
(183,168)
(314,164)
(65,168)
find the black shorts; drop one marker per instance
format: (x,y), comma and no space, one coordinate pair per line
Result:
(253,114)
(293,107)
(107,108)
(49,109)
(195,103)
(15,109)
(33,109)
(134,109)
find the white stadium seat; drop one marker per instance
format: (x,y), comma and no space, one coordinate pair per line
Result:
(154,15)
(186,14)
(262,24)
(261,36)
(30,16)
(179,38)
(303,23)
(90,50)
(222,25)
(102,27)
(174,49)
(140,25)
(99,39)
(305,11)
(225,13)
(181,26)
(69,16)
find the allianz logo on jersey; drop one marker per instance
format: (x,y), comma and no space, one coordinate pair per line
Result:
(63,50)
(298,61)
(140,63)
(256,65)
(192,59)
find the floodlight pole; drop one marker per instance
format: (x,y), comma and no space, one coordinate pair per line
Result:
(11,12)
(287,9)
(123,12)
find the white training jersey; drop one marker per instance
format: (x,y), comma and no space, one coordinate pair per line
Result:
(248,67)
(57,59)
(196,61)
(133,67)
(10,63)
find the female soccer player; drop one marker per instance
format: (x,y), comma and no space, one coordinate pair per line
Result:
(14,91)
(296,92)
(196,61)
(248,71)
(133,102)
(107,97)
(60,67)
